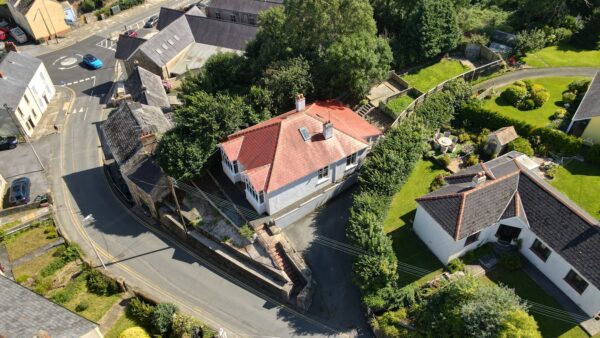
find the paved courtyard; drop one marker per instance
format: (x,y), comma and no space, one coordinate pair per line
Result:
(318,237)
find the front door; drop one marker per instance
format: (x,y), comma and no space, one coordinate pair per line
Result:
(507,233)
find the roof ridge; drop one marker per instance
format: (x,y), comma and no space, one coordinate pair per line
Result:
(268,179)
(244,132)
(438,197)
(490,183)
(461,210)
(487,170)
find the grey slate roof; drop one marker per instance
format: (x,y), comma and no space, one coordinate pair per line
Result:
(17,71)
(148,176)
(245,6)
(166,16)
(590,105)
(24,313)
(146,87)
(504,38)
(513,190)
(22,6)
(124,127)
(190,28)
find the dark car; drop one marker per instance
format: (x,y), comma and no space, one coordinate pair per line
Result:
(8,142)
(19,191)
(151,22)
(131,33)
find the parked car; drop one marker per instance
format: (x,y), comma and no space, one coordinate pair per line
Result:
(19,191)
(8,142)
(131,33)
(92,61)
(151,22)
(4,33)
(18,34)
(4,24)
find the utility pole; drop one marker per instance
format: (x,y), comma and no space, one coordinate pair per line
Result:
(177,204)
(89,220)
(22,131)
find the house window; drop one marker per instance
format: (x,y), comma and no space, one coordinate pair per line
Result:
(26,99)
(323,173)
(20,112)
(251,20)
(576,281)
(472,239)
(218,15)
(233,18)
(261,197)
(540,250)
(351,160)
(235,167)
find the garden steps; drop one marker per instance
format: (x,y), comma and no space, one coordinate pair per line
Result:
(113,314)
(365,109)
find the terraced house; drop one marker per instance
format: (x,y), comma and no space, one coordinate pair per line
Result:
(505,201)
(292,156)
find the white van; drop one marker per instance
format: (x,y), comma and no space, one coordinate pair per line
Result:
(18,34)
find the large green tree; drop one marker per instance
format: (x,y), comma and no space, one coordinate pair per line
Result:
(286,79)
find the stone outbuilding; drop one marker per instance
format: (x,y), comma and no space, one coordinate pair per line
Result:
(499,139)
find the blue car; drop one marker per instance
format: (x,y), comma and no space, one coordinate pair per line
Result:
(92,61)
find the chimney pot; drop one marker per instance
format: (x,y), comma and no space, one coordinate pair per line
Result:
(479,179)
(327,130)
(300,102)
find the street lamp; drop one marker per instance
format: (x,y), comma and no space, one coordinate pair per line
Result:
(89,220)
(10,113)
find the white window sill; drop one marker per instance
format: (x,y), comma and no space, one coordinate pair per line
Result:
(323,180)
(351,166)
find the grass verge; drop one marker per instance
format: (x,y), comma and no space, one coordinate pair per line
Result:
(539,117)
(34,266)
(580,182)
(28,241)
(426,78)
(563,55)
(398,104)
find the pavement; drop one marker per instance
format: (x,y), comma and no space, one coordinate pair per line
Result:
(320,238)
(527,73)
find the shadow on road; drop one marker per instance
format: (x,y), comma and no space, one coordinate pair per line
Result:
(101,91)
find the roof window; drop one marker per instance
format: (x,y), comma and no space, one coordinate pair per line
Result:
(171,42)
(304,132)
(176,37)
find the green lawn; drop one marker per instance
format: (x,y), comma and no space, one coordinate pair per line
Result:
(32,267)
(563,56)
(408,247)
(426,78)
(527,289)
(398,104)
(7,226)
(26,242)
(580,182)
(539,117)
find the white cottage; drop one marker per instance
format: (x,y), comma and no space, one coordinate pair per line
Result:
(503,201)
(291,156)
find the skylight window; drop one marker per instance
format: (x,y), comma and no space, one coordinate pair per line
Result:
(171,42)
(164,46)
(304,133)
(158,51)
(176,37)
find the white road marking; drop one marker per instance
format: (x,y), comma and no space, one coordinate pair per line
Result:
(80,81)
(85,114)
(81,109)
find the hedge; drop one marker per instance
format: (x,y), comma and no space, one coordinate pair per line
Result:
(475,117)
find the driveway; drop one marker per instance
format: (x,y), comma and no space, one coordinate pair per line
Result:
(521,74)
(320,237)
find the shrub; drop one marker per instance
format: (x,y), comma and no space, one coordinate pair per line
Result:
(437,182)
(519,324)
(513,95)
(593,154)
(530,41)
(82,306)
(511,262)
(527,104)
(162,317)
(521,145)
(55,265)
(569,97)
(140,311)
(184,325)
(551,171)
(42,285)
(540,97)
(472,160)
(456,265)
(22,278)
(100,284)
(559,114)
(389,323)
(62,296)
(134,332)
(446,160)
(87,6)
(464,137)
(246,231)
(579,86)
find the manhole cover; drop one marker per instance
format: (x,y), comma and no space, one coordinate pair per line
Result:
(68,61)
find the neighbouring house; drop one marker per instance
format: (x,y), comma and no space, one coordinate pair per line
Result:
(184,42)
(132,133)
(586,121)
(27,314)
(26,91)
(291,156)
(498,140)
(503,201)
(147,88)
(241,11)
(502,42)
(40,19)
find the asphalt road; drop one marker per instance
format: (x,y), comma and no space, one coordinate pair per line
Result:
(129,248)
(521,74)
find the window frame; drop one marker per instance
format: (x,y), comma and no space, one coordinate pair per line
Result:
(351,161)
(472,238)
(540,250)
(323,174)
(574,284)
(232,18)
(218,15)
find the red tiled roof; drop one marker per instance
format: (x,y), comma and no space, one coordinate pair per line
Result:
(274,154)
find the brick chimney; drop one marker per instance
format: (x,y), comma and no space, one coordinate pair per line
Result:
(478,179)
(149,143)
(327,130)
(300,102)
